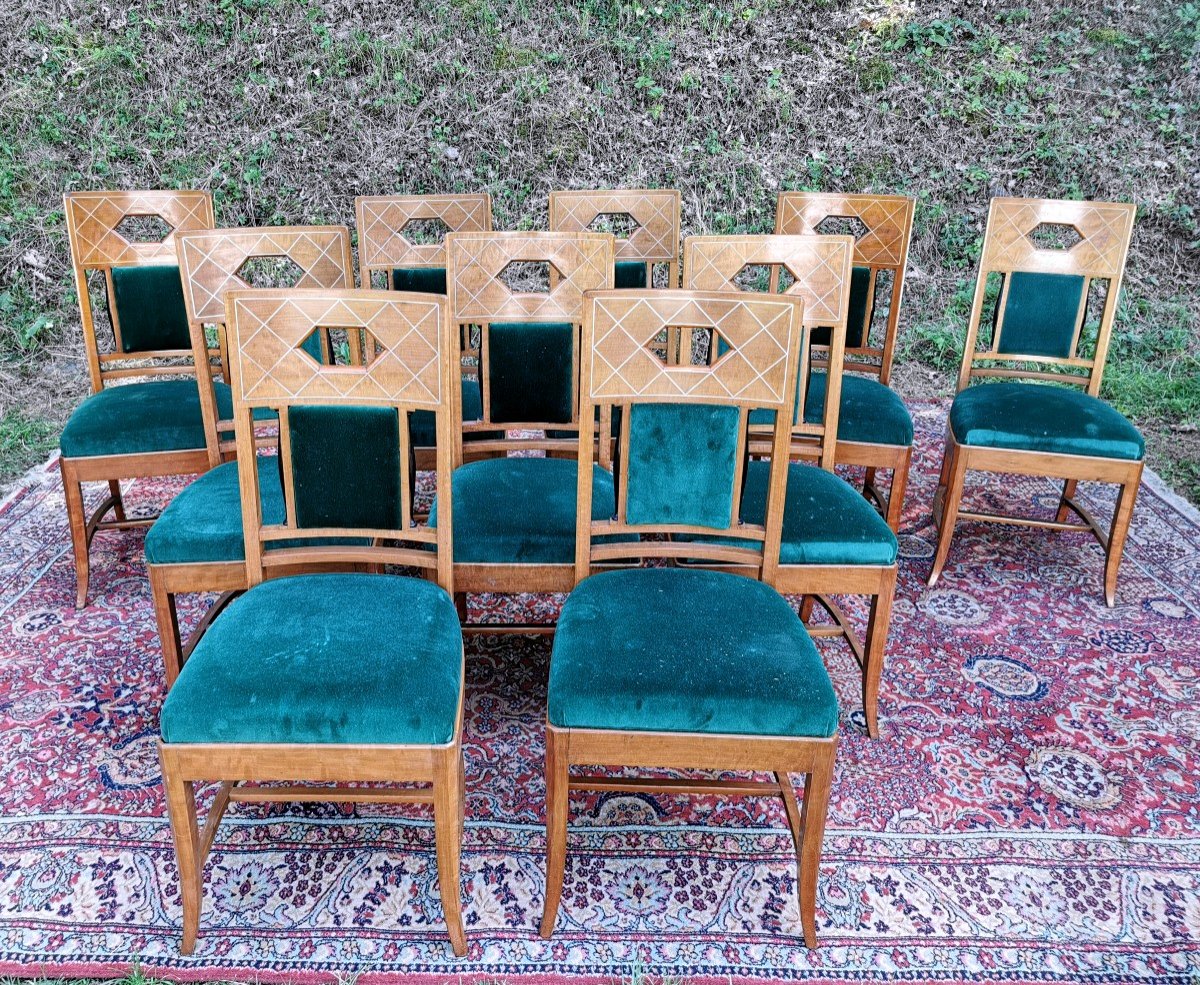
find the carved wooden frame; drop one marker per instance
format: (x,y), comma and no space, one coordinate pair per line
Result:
(411,370)
(656,211)
(92,218)
(765,335)
(1106,229)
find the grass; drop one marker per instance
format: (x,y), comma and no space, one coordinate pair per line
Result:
(728,102)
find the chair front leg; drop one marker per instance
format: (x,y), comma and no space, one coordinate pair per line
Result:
(1122,516)
(1064,511)
(167,618)
(895,503)
(557,790)
(812,826)
(955,469)
(875,649)
(77,519)
(181,807)
(448,828)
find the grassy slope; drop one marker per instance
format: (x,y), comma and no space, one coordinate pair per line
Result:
(287,110)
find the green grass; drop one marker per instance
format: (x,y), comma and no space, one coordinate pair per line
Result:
(24,442)
(727,102)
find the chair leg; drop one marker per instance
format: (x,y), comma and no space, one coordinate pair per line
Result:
(168,627)
(812,834)
(955,471)
(806,608)
(1116,537)
(875,650)
(557,789)
(448,826)
(460,605)
(895,503)
(77,519)
(181,806)
(118,504)
(1064,511)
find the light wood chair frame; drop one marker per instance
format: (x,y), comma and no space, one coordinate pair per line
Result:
(619,330)
(477,298)
(820,266)
(1105,230)
(889,222)
(382,247)
(92,218)
(270,326)
(655,210)
(208,265)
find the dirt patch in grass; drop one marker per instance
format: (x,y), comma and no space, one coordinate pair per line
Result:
(287,111)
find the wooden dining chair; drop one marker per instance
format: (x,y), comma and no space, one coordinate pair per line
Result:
(152,427)
(401,246)
(645,222)
(196,545)
(875,429)
(342,678)
(515,515)
(1037,410)
(684,668)
(834,542)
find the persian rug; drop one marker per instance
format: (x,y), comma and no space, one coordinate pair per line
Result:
(1031,812)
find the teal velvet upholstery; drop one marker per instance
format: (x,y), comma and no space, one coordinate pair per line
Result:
(373,659)
(825,520)
(427,280)
(346,466)
(521,510)
(422,425)
(530,367)
(313,346)
(869,411)
(629,274)
(859,314)
(1040,315)
(203,523)
(682,463)
(1043,417)
(677,650)
(150,308)
(136,418)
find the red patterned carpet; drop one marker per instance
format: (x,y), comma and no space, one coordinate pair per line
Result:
(1031,813)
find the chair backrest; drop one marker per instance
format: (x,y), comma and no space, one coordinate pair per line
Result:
(395,238)
(1042,306)
(129,236)
(684,428)
(214,262)
(343,452)
(646,223)
(820,272)
(882,227)
(528,339)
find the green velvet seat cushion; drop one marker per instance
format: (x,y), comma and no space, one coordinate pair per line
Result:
(203,523)
(825,520)
(150,308)
(426,280)
(422,425)
(530,369)
(521,510)
(629,274)
(330,658)
(1043,417)
(679,650)
(136,418)
(870,412)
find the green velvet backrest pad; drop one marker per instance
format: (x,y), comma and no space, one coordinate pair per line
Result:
(859,313)
(425,280)
(629,275)
(346,466)
(150,308)
(530,370)
(682,461)
(1040,314)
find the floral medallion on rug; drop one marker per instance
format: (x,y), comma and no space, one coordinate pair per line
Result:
(1031,812)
